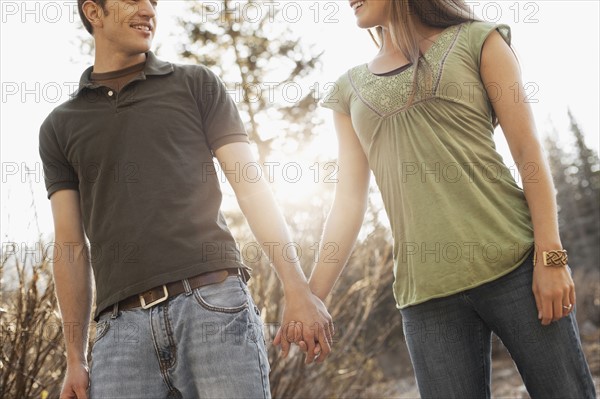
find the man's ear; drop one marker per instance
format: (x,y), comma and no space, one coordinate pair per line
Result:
(94,13)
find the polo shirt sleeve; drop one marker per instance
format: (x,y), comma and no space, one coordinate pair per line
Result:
(338,95)
(58,172)
(220,117)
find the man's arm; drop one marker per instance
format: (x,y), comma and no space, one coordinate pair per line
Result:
(268,226)
(73,284)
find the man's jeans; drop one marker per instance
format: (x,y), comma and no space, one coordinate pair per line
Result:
(205,343)
(449,340)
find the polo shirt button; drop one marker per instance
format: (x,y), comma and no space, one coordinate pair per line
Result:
(110,93)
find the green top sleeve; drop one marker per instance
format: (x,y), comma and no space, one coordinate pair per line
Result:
(338,96)
(478,34)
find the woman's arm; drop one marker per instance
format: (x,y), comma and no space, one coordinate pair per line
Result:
(552,286)
(343,223)
(348,210)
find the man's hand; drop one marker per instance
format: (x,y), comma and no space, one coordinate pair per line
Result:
(307,323)
(554,292)
(76,381)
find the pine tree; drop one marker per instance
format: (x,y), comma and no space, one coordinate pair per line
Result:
(262,61)
(577,180)
(556,160)
(587,160)
(586,176)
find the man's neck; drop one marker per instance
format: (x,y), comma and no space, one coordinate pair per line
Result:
(115,62)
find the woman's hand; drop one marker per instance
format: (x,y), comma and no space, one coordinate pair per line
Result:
(305,322)
(554,292)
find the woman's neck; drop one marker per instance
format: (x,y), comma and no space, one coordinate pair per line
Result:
(424,33)
(387,47)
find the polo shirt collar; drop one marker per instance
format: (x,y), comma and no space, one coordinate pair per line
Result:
(153,66)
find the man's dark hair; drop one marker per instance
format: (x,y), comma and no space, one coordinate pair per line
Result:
(86,23)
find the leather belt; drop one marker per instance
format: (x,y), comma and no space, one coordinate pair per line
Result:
(161,293)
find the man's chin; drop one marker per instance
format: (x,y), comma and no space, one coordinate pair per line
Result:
(146,47)
(141,49)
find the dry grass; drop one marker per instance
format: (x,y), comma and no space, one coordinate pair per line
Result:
(32,361)
(362,331)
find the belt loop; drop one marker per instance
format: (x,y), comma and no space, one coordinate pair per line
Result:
(242,275)
(187,287)
(115,311)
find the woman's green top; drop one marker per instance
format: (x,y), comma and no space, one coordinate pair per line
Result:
(458,217)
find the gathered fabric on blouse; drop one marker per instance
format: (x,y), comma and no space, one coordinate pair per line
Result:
(457,215)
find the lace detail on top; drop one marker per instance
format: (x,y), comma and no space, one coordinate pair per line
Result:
(387,95)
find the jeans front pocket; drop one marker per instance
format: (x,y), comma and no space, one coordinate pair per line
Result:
(102,327)
(229,296)
(259,326)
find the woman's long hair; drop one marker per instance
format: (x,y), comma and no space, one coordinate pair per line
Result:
(435,13)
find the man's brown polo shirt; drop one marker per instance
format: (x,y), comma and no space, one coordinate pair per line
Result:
(142,161)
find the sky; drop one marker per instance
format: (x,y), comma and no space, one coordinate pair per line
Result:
(557,42)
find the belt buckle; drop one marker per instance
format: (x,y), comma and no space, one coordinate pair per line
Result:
(159,300)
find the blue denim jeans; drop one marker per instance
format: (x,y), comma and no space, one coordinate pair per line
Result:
(205,343)
(449,341)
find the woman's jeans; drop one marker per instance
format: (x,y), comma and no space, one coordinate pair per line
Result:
(449,340)
(205,343)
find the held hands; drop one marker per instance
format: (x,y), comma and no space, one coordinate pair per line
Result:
(307,323)
(554,292)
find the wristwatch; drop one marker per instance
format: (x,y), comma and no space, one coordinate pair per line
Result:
(555,258)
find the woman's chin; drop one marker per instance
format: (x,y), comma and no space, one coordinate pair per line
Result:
(364,24)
